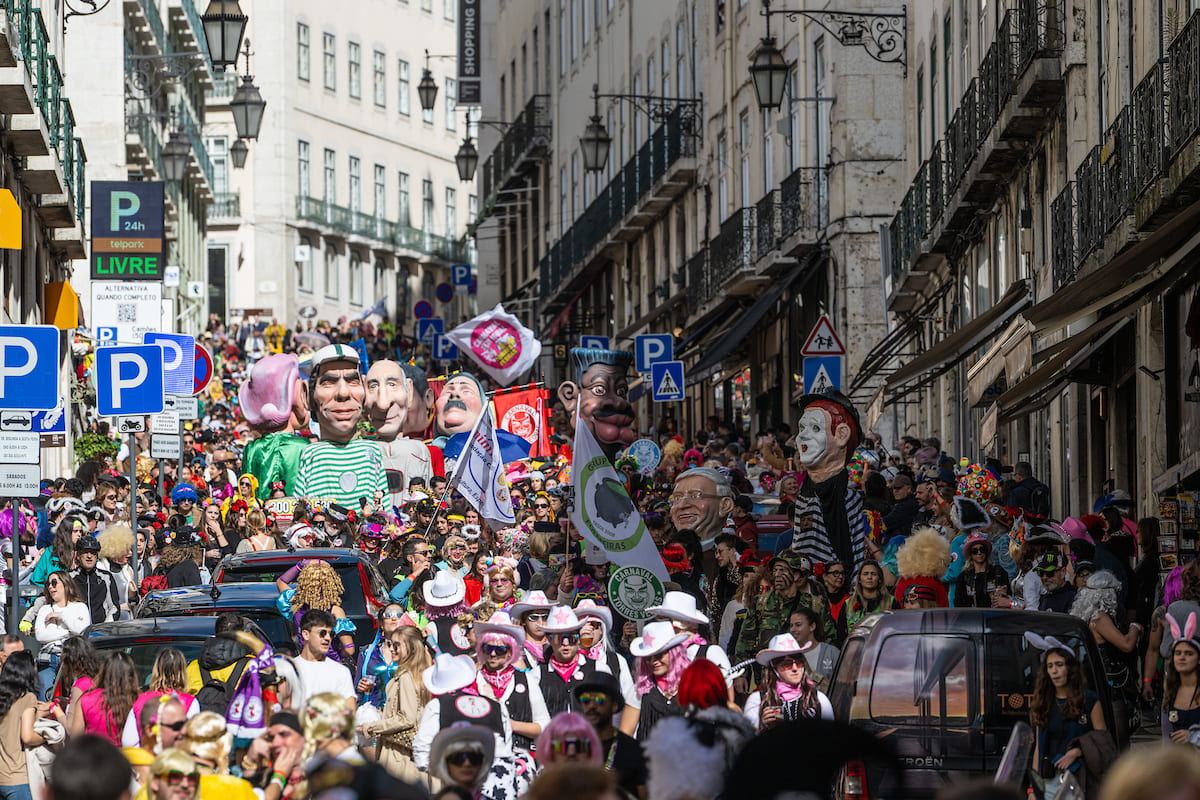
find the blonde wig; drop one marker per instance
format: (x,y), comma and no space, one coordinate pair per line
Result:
(169,674)
(205,736)
(318,587)
(326,716)
(115,541)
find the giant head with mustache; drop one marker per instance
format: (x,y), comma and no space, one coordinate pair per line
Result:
(601,395)
(458,406)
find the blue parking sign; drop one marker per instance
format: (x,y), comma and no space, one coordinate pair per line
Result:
(460,274)
(650,348)
(443,348)
(106,336)
(427,327)
(29,367)
(179,360)
(666,381)
(595,342)
(129,380)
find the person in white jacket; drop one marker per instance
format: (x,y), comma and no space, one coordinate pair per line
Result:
(63,615)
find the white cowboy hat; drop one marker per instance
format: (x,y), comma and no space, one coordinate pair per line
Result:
(656,637)
(444,589)
(449,674)
(782,645)
(588,609)
(461,736)
(562,620)
(501,622)
(534,601)
(679,606)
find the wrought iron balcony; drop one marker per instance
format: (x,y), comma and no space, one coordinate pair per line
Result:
(225,205)
(1183,105)
(804,202)
(1089,214)
(1149,128)
(733,248)
(521,147)
(768,223)
(1117,155)
(1039,30)
(702,284)
(1062,237)
(369,227)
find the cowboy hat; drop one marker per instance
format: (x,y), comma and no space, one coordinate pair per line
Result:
(444,589)
(782,645)
(588,609)
(604,682)
(656,638)
(561,620)
(534,601)
(449,673)
(679,606)
(501,622)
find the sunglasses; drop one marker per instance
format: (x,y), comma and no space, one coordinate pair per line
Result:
(322,633)
(977,550)
(175,778)
(541,505)
(787,662)
(175,726)
(538,616)
(495,649)
(566,638)
(393,615)
(835,572)
(571,745)
(593,698)
(462,759)
(54,582)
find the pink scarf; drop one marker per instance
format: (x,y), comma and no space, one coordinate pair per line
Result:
(788,693)
(535,651)
(696,639)
(595,652)
(565,671)
(499,681)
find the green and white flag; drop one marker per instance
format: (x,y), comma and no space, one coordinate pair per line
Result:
(603,512)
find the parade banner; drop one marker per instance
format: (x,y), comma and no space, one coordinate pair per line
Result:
(523,414)
(603,512)
(498,342)
(480,476)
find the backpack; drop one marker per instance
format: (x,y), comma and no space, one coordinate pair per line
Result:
(216,694)
(1039,500)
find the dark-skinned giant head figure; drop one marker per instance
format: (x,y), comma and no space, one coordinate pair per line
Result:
(600,393)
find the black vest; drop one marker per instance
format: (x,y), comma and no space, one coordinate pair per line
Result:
(446,627)
(558,693)
(520,708)
(476,710)
(655,706)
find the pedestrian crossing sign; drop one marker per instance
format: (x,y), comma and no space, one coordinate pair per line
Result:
(822,373)
(666,381)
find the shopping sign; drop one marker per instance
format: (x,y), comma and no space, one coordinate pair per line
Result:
(650,348)
(179,360)
(129,380)
(29,367)
(127,230)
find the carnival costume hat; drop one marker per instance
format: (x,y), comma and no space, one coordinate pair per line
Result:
(601,681)
(266,397)
(968,514)
(1187,635)
(533,601)
(974,538)
(679,606)
(1048,643)
(783,644)
(562,620)
(584,357)
(657,637)
(445,589)
(501,622)
(588,609)
(449,673)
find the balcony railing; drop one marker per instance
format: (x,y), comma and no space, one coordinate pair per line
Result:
(528,136)
(1089,214)
(1117,168)
(768,223)
(733,248)
(150,9)
(193,16)
(196,138)
(368,226)
(1183,105)
(1039,30)
(1062,237)
(225,205)
(803,201)
(223,87)
(1149,128)
(701,282)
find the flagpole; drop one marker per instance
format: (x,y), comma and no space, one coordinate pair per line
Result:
(450,478)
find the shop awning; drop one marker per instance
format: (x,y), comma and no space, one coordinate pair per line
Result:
(62,307)
(942,356)
(650,316)
(1044,383)
(1127,275)
(986,374)
(906,332)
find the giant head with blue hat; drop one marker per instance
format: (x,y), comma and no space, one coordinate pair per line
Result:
(600,395)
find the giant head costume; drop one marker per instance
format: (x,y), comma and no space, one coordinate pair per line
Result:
(600,394)
(827,434)
(460,404)
(420,403)
(274,400)
(335,385)
(389,391)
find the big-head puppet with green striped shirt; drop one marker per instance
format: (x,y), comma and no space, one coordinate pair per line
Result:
(340,467)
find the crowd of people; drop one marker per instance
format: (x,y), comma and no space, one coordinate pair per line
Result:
(498,666)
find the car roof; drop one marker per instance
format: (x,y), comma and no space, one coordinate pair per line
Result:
(154,627)
(286,558)
(969,621)
(230,596)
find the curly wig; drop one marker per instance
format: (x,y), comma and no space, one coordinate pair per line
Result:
(115,541)
(925,553)
(318,587)
(326,716)
(207,737)
(1097,597)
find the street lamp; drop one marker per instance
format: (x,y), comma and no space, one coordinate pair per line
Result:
(175,156)
(769,72)
(224,23)
(427,89)
(595,142)
(238,152)
(882,35)
(247,104)
(467,157)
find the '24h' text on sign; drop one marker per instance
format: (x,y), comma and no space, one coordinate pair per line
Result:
(127,230)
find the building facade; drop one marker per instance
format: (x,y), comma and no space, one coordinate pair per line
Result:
(1041,262)
(350,195)
(730,228)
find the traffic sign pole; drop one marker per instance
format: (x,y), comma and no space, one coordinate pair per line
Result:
(133,562)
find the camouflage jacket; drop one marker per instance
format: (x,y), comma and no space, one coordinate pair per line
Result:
(768,616)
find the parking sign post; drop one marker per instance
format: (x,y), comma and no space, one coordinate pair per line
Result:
(133,562)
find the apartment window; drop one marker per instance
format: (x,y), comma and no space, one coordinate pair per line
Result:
(720,15)
(302,51)
(1000,283)
(637,118)
(982,25)
(427,205)
(794,123)
(524,71)
(585,22)
(822,110)
(331,273)
(380,191)
(983,279)
(562,200)
(933,64)
(1102,65)
(427,5)
(723,182)
(448,9)
(302,169)
(964,44)
(536,74)
(330,176)
(574,32)
(404,93)
(356,279)
(947,55)
(693,48)
(403,215)
(650,73)
(218,153)
(920,114)
(355,76)
(329,49)
(451,212)
(562,38)
(666,68)
(680,49)
(379,70)
(744,150)
(512,70)
(576,206)
(612,165)
(304,269)
(355,184)
(451,103)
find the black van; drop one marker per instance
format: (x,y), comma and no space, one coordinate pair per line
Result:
(944,687)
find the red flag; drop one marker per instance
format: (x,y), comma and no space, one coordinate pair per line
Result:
(523,414)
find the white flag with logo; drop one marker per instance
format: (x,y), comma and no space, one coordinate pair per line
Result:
(604,513)
(499,344)
(480,477)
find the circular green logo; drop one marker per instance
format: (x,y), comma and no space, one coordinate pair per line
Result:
(606,508)
(633,589)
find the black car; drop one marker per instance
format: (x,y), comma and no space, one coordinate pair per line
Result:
(143,638)
(365,591)
(255,601)
(944,688)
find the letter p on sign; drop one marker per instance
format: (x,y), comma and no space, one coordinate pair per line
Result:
(122,204)
(129,380)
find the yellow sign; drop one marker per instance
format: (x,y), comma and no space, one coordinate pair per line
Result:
(10,221)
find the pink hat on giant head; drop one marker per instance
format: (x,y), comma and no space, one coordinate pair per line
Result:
(266,396)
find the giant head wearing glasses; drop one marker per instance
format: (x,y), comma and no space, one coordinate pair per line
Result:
(600,393)
(702,500)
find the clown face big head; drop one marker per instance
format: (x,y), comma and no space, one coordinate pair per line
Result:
(827,434)
(389,390)
(459,405)
(600,395)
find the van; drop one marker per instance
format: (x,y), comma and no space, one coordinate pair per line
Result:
(944,687)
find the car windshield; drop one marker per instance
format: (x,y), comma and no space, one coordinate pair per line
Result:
(923,679)
(353,602)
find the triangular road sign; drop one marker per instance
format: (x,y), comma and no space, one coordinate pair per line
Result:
(667,385)
(822,383)
(823,341)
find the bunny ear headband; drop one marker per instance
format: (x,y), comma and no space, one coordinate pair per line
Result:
(1048,643)
(1189,631)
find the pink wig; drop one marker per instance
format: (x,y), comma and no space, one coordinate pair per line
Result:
(1173,587)
(496,637)
(567,725)
(678,661)
(266,396)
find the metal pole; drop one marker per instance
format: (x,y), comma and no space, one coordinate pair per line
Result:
(161,480)
(133,562)
(15,612)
